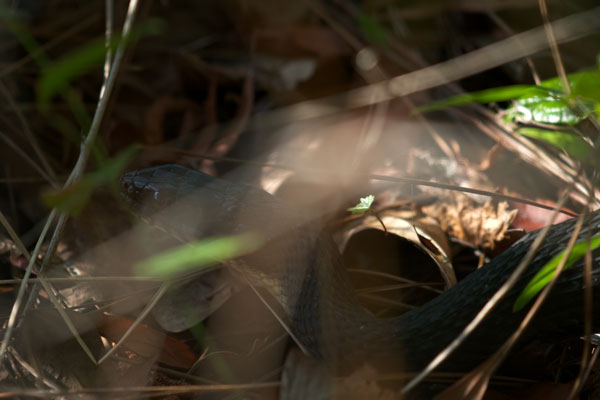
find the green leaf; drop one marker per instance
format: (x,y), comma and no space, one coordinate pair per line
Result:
(486,96)
(547,103)
(374,31)
(57,76)
(558,108)
(197,255)
(363,206)
(584,84)
(574,145)
(111,170)
(547,110)
(73,198)
(545,275)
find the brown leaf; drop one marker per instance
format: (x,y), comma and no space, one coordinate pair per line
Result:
(146,342)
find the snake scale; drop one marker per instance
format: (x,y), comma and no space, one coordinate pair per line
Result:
(301,266)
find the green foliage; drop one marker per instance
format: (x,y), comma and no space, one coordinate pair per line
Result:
(373,30)
(486,96)
(73,198)
(568,141)
(57,76)
(197,255)
(545,275)
(560,110)
(363,206)
(584,84)
(545,110)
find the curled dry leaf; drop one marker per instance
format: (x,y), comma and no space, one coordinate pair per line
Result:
(422,231)
(482,226)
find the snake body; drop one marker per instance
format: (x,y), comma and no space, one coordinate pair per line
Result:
(303,269)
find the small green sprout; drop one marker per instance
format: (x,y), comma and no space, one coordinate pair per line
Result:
(363,206)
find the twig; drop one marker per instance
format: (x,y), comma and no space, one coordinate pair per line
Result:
(280,320)
(12,319)
(560,68)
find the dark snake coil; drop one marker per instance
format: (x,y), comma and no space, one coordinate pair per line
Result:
(302,267)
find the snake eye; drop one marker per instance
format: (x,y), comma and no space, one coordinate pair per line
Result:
(145,194)
(155,197)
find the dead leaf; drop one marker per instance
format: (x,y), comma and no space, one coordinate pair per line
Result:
(148,342)
(482,226)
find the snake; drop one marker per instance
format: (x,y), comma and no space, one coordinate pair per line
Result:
(300,265)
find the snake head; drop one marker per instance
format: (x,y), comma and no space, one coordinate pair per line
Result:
(174,198)
(150,190)
(194,205)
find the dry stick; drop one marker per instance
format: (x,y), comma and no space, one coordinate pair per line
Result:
(108,84)
(281,321)
(108,35)
(45,261)
(560,68)
(62,218)
(489,305)
(593,360)
(21,292)
(389,288)
(104,95)
(397,278)
(13,235)
(75,174)
(102,99)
